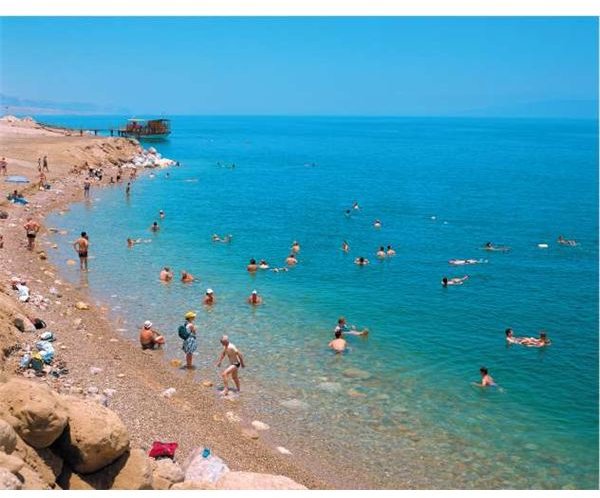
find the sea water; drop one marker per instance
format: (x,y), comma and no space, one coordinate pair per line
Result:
(401,406)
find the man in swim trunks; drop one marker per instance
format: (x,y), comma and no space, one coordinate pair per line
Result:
(236,361)
(149,338)
(31,229)
(254,298)
(486,379)
(339,345)
(82,245)
(342,327)
(295,247)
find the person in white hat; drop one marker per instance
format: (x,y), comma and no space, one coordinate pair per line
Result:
(254,298)
(209,297)
(149,338)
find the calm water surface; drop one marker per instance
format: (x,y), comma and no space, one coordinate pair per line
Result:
(442,188)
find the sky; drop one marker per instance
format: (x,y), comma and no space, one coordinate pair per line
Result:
(401,66)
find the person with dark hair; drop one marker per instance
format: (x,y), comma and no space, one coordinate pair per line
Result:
(453,281)
(537,342)
(252,266)
(511,339)
(82,245)
(339,344)
(361,261)
(381,253)
(154,227)
(486,378)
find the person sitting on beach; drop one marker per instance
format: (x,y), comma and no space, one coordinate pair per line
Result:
(361,261)
(345,246)
(381,253)
(166,275)
(486,379)
(566,242)
(236,360)
(377,224)
(254,298)
(81,245)
(189,343)
(154,227)
(186,277)
(537,342)
(511,339)
(295,247)
(390,251)
(342,327)
(149,338)
(339,345)
(263,265)
(209,298)
(252,266)
(291,260)
(453,281)
(31,229)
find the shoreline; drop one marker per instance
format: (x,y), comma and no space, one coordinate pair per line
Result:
(138,377)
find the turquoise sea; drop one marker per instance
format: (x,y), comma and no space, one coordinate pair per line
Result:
(441,188)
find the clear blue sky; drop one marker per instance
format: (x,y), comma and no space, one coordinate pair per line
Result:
(360,66)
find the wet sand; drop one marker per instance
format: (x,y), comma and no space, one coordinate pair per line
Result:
(86,338)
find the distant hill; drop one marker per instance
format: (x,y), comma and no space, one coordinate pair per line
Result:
(16,105)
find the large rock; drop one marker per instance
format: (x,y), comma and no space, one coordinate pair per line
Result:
(36,412)
(192,485)
(11,462)
(31,480)
(252,480)
(8,437)
(136,473)
(166,473)
(94,438)
(42,461)
(8,480)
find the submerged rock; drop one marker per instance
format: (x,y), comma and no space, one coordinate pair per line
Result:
(356,373)
(330,387)
(294,404)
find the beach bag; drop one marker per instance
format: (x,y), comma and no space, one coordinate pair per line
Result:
(39,323)
(183,332)
(37,363)
(207,469)
(163,450)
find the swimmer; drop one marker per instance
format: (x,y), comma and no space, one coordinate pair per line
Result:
(566,242)
(130,243)
(511,339)
(381,253)
(166,275)
(486,379)
(295,247)
(345,246)
(537,342)
(390,251)
(461,262)
(347,212)
(154,227)
(227,239)
(161,214)
(355,205)
(216,238)
(377,224)
(263,265)
(491,247)
(186,277)
(252,266)
(453,281)
(209,298)
(277,270)
(254,298)
(338,344)
(361,261)
(291,260)
(342,326)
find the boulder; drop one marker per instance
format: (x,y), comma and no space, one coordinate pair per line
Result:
(8,437)
(136,473)
(36,412)
(192,485)
(31,480)
(11,462)
(94,438)
(3,215)
(252,480)
(8,480)
(166,473)
(45,464)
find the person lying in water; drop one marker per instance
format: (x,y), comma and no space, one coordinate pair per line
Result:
(538,342)
(511,339)
(342,327)
(339,345)
(453,281)
(460,262)
(491,247)
(566,242)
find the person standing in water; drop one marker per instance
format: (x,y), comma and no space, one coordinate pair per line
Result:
(209,298)
(254,298)
(190,343)
(236,360)
(154,227)
(252,266)
(128,189)
(82,245)
(486,379)
(295,247)
(86,188)
(343,328)
(345,246)
(390,251)
(381,253)
(339,344)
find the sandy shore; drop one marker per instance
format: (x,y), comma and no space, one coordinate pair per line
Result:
(86,338)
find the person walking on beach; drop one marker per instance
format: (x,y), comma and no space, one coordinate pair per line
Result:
(82,245)
(31,229)
(45,164)
(236,360)
(86,188)
(188,333)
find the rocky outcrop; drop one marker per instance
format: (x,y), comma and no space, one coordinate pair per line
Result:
(252,480)
(42,461)
(94,438)
(8,480)
(36,413)
(11,463)
(166,473)
(8,437)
